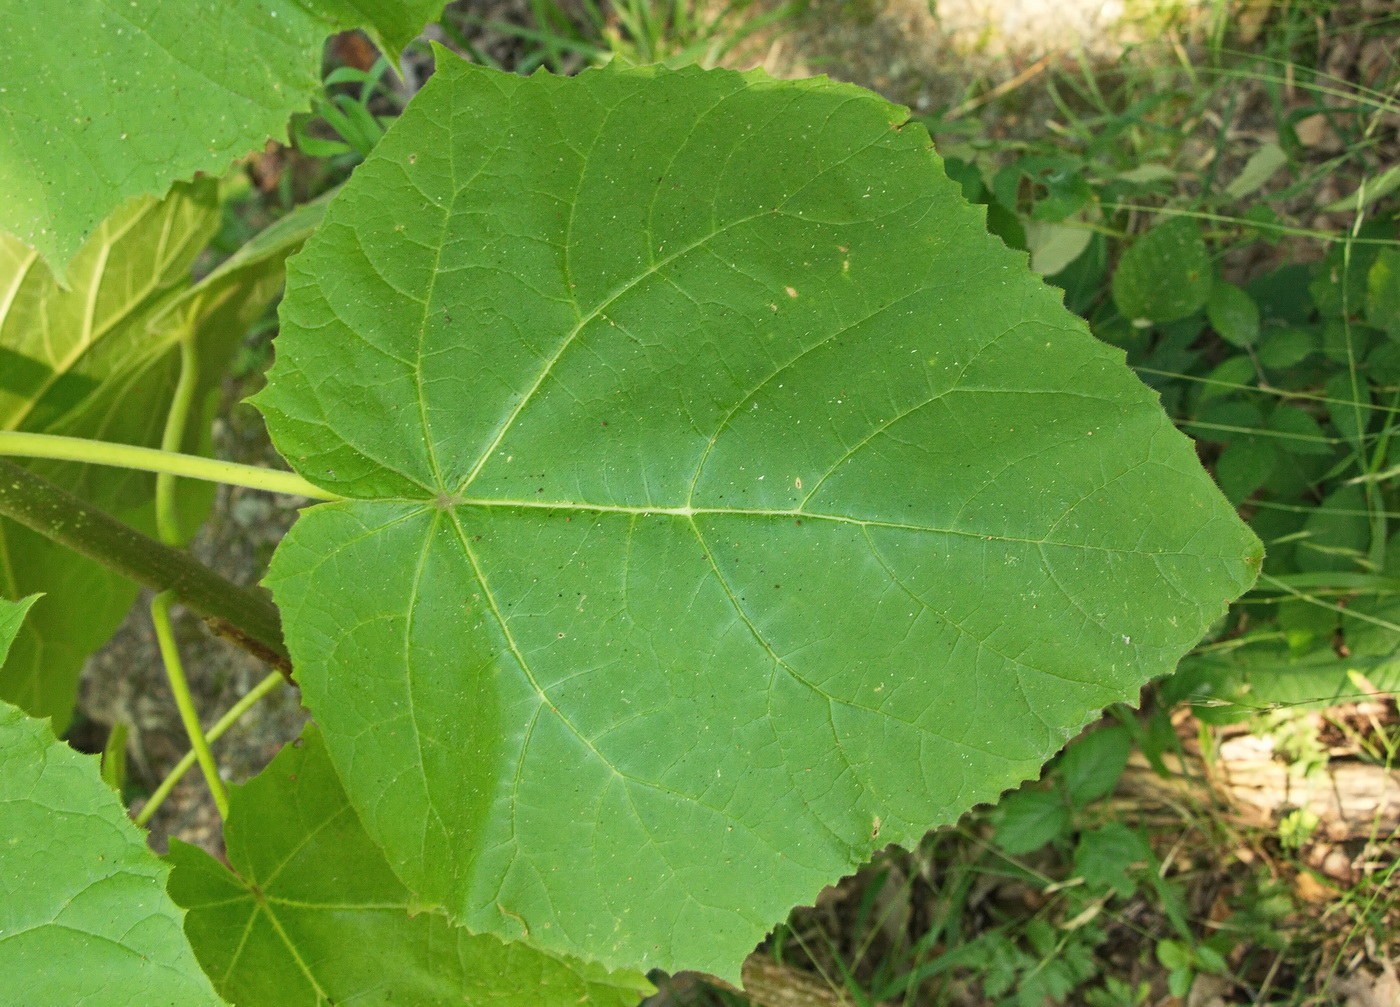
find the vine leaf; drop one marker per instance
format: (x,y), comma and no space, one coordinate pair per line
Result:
(161,92)
(306,892)
(725,504)
(84,903)
(100,360)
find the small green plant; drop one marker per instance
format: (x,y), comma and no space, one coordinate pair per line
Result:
(348,116)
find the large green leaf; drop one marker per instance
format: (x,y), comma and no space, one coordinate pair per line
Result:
(84,917)
(103,100)
(308,913)
(100,360)
(726,504)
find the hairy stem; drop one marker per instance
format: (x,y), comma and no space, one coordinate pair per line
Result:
(182,767)
(129,456)
(56,514)
(184,702)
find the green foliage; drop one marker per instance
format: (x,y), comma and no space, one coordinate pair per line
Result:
(1233,314)
(12,615)
(776,511)
(1383,292)
(135,106)
(1287,375)
(722,503)
(1165,275)
(675,33)
(1091,766)
(306,895)
(99,359)
(84,903)
(349,116)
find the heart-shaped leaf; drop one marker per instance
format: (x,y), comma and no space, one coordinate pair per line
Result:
(725,504)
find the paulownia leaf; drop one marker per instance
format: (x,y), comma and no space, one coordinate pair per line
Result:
(84,917)
(725,504)
(103,100)
(99,360)
(310,913)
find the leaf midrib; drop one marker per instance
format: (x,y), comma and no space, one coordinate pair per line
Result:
(488,503)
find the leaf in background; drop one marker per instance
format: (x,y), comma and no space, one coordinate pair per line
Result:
(1284,348)
(1233,314)
(1367,192)
(1091,766)
(1350,406)
(99,360)
(1147,174)
(308,912)
(1028,819)
(1164,274)
(1383,292)
(68,361)
(1339,280)
(107,101)
(1260,167)
(1044,188)
(1306,625)
(727,504)
(1054,246)
(1338,533)
(1105,856)
(84,917)
(1267,674)
(1082,279)
(1244,466)
(11,617)
(1300,433)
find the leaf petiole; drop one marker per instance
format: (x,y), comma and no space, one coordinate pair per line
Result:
(231,717)
(130,456)
(179,686)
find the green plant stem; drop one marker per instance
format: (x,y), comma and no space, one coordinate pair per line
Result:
(167,516)
(230,717)
(61,517)
(130,456)
(175,673)
(168,528)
